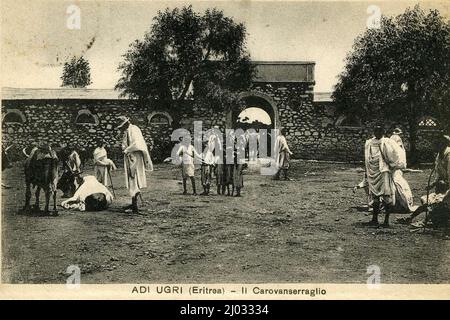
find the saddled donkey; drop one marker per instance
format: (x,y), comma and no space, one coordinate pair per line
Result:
(41,171)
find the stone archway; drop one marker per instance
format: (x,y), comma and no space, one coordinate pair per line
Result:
(259,100)
(255,99)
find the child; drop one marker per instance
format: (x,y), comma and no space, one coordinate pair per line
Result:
(228,171)
(220,173)
(187,153)
(238,165)
(102,165)
(206,170)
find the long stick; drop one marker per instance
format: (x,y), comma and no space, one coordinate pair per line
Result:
(428,195)
(110,179)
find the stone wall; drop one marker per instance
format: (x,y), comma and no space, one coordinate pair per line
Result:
(312,131)
(54,121)
(310,127)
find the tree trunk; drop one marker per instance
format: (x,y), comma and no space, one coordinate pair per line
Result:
(413,156)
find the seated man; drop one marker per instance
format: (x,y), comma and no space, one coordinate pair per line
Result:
(71,170)
(439,201)
(90,196)
(439,205)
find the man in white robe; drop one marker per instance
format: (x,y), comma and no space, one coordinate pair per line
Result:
(136,160)
(384,160)
(282,154)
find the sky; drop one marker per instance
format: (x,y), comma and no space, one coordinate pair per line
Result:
(253,113)
(36,40)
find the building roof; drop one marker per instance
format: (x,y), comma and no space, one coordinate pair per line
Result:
(59,93)
(266,71)
(322,96)
(284,71)
(94,94)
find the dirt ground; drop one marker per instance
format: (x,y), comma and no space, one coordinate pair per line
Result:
(305,230)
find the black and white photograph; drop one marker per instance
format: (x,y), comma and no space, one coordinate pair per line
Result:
(268,145)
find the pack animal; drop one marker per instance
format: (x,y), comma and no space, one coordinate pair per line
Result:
(41,171)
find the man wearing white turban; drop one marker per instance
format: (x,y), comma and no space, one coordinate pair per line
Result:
(136,160)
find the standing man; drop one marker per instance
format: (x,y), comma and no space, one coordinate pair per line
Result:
(136,160)
(378,175)
(282,154)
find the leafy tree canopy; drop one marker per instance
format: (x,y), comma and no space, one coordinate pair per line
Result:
(188,55)
(400,71)
(76,73)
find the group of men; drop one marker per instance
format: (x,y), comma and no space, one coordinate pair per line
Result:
(385,160)
(90,192)
(226,160)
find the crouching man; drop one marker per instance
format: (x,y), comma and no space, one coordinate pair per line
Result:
(438,202)
(90,196)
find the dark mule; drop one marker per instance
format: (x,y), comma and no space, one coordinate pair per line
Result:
(41,171)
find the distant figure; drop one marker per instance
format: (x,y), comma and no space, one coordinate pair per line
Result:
(136,161)
(102,165)
(282,154)
(253,143)
(90,196)
(396,136)
(6,162)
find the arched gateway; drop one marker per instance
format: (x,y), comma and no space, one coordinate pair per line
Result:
(255,99)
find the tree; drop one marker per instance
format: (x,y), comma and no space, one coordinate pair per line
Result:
(76,73)
(187,55)
(399,71)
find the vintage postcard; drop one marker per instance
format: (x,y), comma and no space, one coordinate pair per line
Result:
(225,150)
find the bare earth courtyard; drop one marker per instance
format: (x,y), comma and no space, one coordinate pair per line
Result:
(305,230)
